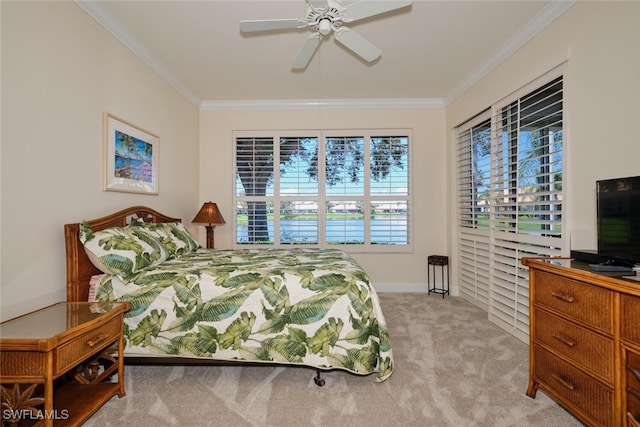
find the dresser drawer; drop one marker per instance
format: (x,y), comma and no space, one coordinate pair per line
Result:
(73,352)
(586,348)
(632,389)
(582,302)
(630,324)
(574,386)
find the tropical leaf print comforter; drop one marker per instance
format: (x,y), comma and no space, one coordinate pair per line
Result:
(309,307)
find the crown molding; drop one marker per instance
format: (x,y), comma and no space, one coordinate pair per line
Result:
(536,24)
(298,104)
(111,24)
(547,15)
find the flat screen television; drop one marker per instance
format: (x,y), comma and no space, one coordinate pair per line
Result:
(618,205)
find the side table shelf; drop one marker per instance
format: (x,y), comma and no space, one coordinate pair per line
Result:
(57,364)
(434,261)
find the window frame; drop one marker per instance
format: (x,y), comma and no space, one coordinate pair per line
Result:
(322,197)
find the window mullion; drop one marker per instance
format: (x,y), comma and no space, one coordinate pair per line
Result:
(367,188)
(322,191)
(277,196)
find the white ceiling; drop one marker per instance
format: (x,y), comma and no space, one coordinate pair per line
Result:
(431,51)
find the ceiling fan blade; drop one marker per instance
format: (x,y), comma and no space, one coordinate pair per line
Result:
(364,9)
(318,4)
(307,51)
(271,24)
(357,44)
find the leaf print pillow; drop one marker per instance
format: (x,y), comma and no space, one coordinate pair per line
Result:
(174,236)
(122,251)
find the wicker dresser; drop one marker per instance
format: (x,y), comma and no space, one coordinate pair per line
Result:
(585,341)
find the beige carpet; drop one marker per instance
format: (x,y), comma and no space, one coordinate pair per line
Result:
(453,368)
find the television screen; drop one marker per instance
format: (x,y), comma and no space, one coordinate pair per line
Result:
(618,203)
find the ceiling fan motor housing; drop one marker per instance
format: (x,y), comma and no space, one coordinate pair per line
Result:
(324,20)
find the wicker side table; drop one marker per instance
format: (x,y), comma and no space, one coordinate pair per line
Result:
(441,261)
(65,351)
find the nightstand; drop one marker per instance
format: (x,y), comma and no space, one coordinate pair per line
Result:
(66,357)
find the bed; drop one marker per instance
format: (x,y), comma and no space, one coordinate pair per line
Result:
(304,307)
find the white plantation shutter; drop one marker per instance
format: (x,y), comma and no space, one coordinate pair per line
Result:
(294,180)
(525,200)
(390,225)
(254,158)
(388,200)
(325,188)
(298,219)
(474,173)
(473,262)
(341,151)
(509,300)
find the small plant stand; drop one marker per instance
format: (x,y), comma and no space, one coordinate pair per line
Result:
(434,261)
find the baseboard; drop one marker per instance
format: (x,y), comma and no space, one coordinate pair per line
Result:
(408,287)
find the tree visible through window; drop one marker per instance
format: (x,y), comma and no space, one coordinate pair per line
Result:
(322,190)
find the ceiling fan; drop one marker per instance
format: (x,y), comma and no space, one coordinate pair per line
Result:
(324,16)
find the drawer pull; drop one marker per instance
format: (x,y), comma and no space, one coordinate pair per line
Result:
(635,372)
(563,297)
(633,392)
(564,340)
(564,383)
(93,342)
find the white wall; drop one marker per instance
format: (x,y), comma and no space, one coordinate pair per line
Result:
(600,45)
(60,71)
(388,271)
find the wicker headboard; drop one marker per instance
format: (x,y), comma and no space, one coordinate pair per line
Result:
(79,267)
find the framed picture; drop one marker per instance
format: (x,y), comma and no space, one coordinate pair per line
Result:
(130,157)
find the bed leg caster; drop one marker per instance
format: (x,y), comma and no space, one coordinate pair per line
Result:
(319,381)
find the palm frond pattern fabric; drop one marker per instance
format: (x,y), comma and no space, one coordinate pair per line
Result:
(311,307)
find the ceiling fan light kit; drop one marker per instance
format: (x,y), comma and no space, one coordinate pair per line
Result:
(326,16)
(324,27)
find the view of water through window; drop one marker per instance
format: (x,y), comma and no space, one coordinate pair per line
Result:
(351,231)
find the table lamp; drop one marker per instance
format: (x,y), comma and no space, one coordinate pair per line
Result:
(210,215)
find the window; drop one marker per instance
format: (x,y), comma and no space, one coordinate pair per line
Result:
(528,159)
(474,201)
(510,181)
(474,164)
(323,188)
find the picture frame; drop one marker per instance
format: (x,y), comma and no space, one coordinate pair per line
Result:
(130,157)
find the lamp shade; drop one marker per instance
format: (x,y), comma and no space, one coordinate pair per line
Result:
(209,214)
